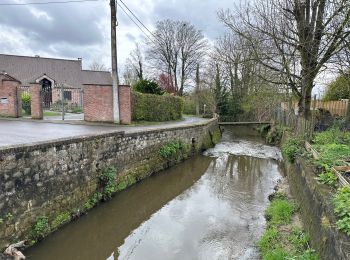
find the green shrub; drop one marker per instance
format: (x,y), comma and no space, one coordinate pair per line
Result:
(334,135)
(171,150)
(280,211)
(148,87)
(274,135)
(292,148)
(338,89)
(328,178)
(93,200)
(332,154)
(41,228)
(26,103)
(341,203)
(107,182)
(149,107)
(189,105)
(60,220)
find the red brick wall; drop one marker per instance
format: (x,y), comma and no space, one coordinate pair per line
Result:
(125,104)
(36,103)
(98,103)
(9,100)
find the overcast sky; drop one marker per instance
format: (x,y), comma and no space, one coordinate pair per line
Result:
(83,29)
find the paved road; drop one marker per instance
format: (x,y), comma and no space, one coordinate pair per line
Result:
(27,132)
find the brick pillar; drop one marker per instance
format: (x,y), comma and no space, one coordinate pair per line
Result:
(9,97)
(36,102)
(125,104)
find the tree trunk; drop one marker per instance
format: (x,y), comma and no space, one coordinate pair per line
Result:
(305,100)
(182,81)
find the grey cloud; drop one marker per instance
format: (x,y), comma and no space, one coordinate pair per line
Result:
(72,23)
(203,14)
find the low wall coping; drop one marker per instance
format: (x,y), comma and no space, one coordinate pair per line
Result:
(76,139)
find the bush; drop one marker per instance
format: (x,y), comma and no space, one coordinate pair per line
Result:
(292,148)
(328,178)
(338,89)
(170,150)
(107,182)
(149,107)
(148,87)
(41,228)
(342,209)
(26,103)
(189,105)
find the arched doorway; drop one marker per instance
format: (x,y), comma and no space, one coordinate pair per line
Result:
(46,86)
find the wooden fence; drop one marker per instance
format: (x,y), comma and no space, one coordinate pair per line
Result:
(337,108)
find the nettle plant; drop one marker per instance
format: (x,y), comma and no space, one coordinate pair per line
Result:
(107,181)
(328,178)
(342,209)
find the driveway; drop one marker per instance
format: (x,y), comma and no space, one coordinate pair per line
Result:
(21,132)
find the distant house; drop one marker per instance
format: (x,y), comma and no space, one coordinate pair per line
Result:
(51,74)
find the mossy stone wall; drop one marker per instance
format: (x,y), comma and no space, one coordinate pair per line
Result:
(54,179)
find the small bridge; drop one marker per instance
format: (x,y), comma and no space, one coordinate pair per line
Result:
(244,123)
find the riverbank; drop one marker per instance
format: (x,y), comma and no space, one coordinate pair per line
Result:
(317,211)
(46,185)
(208,207)
(284,237)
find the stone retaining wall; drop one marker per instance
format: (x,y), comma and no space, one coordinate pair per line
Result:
(52,178)
(316,207)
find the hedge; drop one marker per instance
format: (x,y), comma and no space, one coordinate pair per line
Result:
(148,107)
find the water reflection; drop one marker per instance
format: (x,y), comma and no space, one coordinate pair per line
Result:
(210,207)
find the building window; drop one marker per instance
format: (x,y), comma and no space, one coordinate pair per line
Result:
(67,95)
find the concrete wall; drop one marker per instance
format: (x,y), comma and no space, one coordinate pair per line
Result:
(52,178)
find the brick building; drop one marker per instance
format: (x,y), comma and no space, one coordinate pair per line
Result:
(50,73)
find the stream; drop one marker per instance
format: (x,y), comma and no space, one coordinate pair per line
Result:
(209,207)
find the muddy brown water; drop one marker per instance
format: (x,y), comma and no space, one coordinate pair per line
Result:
(209,207)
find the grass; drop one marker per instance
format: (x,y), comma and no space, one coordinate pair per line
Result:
(282,238)
(280,211)
(51,113)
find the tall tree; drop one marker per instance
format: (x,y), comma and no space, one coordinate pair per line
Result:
(136,62)
(177,49)
(302,36)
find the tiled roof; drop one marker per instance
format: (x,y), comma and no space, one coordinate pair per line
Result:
(69,72)
(96,77)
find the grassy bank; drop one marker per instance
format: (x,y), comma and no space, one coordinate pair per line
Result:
(284,237)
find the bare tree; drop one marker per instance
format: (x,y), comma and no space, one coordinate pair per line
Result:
(177,49)
(97,66)
(136,62)
(302,37)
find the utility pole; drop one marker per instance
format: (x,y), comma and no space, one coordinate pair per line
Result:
(197,90)
(114,61)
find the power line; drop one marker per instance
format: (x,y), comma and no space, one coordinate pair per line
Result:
(47,3)
(137,19)
(121,7)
